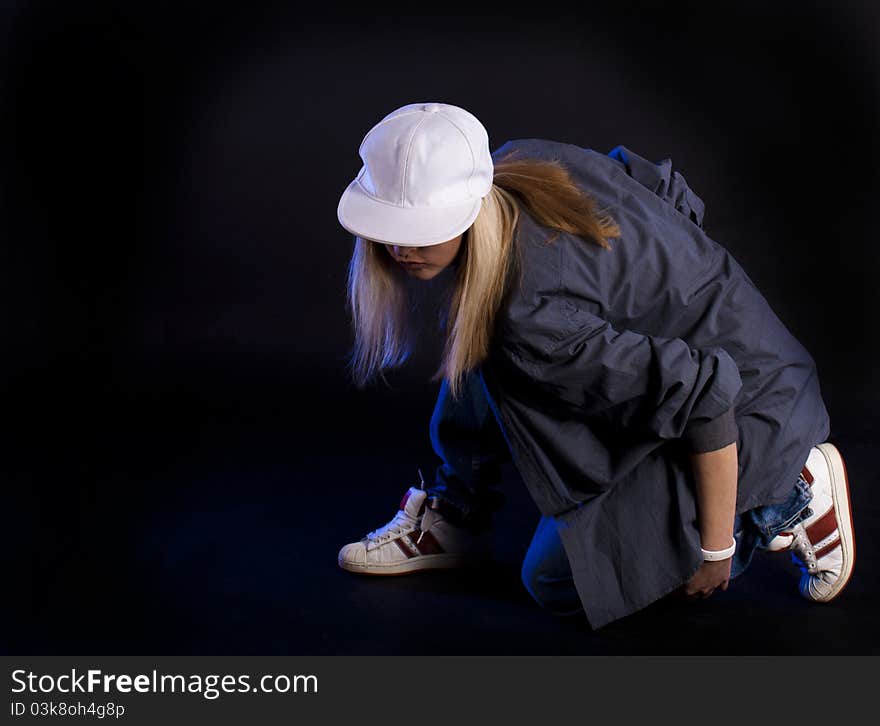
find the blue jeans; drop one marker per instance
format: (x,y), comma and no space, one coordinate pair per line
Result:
(471,444)
(472,447)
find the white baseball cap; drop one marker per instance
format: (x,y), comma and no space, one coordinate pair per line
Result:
(427,167)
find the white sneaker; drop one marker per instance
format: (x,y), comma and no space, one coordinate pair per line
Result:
(417,538)
(824,544)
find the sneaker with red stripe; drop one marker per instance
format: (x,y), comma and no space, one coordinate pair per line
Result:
(823,545)
(417,538)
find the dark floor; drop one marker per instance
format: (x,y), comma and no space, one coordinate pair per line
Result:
(168,524)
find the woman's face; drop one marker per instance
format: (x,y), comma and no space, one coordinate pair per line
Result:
(430,259)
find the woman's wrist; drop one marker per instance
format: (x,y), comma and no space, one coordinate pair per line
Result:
(713,555)
(716,541)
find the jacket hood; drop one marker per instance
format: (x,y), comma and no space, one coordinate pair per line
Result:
(658,176)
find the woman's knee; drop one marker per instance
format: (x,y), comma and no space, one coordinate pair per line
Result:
(546,573)
(553,592)
(533,580)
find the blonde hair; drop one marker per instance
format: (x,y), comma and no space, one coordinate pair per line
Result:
(376,293)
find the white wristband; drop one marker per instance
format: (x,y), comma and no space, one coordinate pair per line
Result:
(715,555)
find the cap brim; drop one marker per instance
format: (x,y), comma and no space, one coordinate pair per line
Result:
(364,216)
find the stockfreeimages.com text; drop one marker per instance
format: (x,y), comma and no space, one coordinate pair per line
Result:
(210,686)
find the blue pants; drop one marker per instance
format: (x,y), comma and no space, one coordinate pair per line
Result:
(472,445)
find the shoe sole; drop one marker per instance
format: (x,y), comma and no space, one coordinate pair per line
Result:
(426,562)
(843,514)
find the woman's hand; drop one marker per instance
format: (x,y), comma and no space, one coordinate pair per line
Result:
(710,576)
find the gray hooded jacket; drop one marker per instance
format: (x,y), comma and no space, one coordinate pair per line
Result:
(608,367)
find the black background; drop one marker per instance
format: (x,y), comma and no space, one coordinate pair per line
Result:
(182,454)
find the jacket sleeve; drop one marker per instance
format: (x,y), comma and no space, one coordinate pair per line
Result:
(648,384)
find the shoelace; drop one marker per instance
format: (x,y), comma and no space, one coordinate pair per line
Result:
(396,526)
(802,549)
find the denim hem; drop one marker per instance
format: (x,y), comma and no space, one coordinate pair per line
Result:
(755,528)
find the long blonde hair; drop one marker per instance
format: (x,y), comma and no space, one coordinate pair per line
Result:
(376,293)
